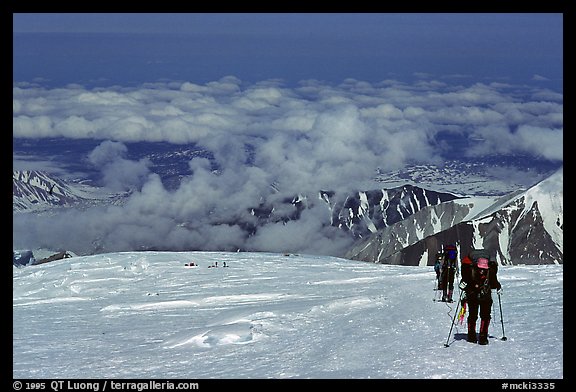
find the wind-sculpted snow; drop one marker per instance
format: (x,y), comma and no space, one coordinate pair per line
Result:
(145,315)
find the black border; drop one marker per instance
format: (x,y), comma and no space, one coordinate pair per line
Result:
(503,6)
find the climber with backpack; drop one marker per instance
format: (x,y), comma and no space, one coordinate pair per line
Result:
(438,269)
(479,277)
(448,271)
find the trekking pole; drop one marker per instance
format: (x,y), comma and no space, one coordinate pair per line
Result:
(435,290)
(501,319)
(453,319)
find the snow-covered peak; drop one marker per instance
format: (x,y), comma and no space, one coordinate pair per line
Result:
(37,191)
(522,227)
(548,195)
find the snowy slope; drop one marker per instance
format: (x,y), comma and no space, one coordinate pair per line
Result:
(37,191)
(145,315)
(366,212)
(523,227)
(550,205)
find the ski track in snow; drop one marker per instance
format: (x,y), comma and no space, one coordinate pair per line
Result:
(143,315)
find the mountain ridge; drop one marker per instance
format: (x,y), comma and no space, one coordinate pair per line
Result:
(520,228)
(39,191)
(401,225)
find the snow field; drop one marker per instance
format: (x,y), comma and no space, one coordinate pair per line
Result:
(144,315)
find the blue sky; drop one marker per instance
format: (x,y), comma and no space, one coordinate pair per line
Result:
(200,47)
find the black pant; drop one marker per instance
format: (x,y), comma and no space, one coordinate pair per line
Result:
(448,278)
(485,307)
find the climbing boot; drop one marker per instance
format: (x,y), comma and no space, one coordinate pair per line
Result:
(472,332)
(483,336)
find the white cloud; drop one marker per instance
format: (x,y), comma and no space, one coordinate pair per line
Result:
(118,173)
(542,142)
(545,142)
(313,124)
(296,140)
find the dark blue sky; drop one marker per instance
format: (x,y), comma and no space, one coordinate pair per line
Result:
(101,49)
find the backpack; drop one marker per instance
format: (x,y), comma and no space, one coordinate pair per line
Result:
(451,252)
(451,256)
(480,276)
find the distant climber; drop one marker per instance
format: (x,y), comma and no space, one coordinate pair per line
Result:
(438,268)
(449,270)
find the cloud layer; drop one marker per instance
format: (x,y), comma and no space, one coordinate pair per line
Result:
(268,142)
